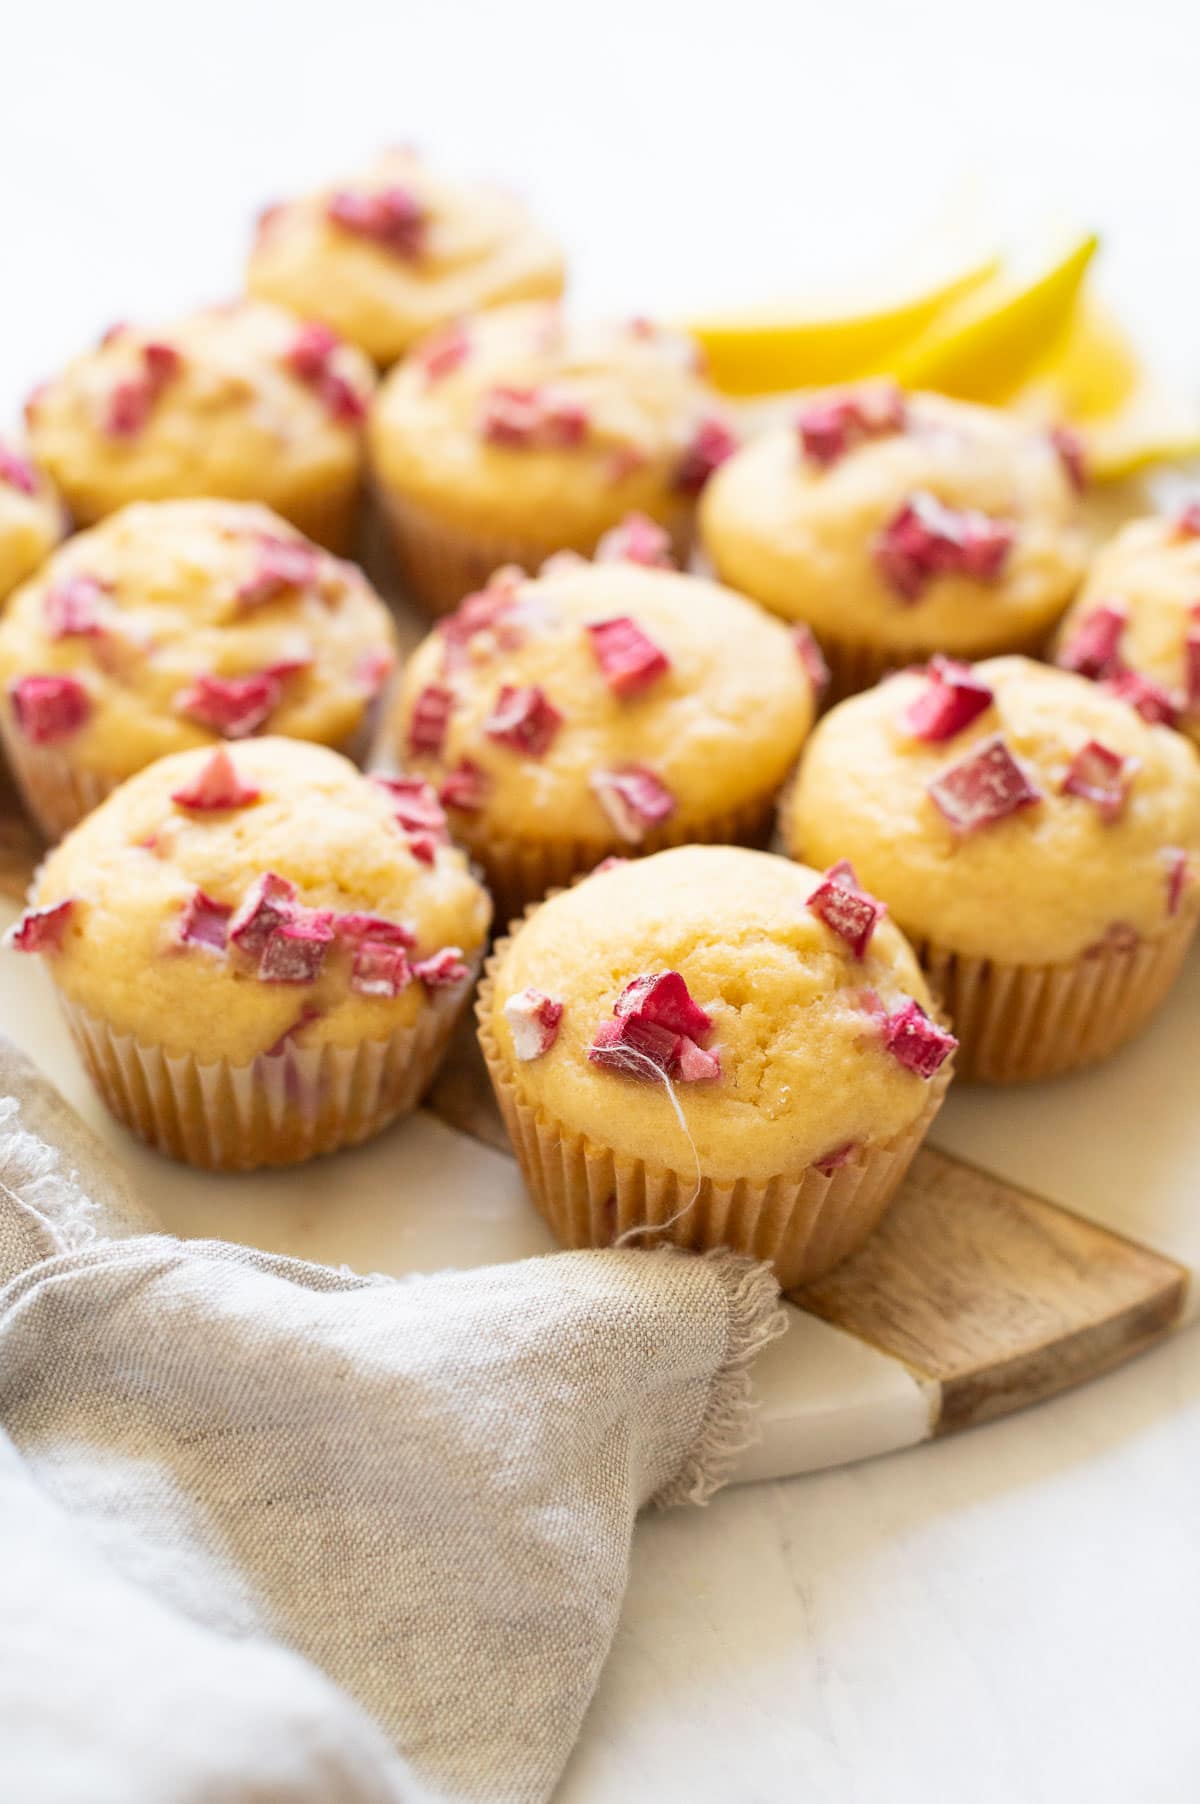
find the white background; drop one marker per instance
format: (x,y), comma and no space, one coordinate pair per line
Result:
(1005,1619)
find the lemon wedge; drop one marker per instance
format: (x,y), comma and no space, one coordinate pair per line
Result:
(1092,373)
(1156,425)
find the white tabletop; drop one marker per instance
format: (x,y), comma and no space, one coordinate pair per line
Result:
(998,1618)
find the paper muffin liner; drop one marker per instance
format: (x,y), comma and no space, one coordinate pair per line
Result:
(439,563)
(1018,1023)
(804,1221)
(280,1109)
(855,665)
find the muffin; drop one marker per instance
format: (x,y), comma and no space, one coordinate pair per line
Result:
(397,250)
(243,401)
(31,518)
(899,525)
(716,1048)
(1136,623)
(516,434)
(260,952)
(600,708)
(176,624)
(1034,837)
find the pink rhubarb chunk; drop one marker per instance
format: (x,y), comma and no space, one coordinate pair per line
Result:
(282,564)
(711,444)
(49,708)
(532,419)
(392,217)
(533,1020)
(663,1000)
(354,926)
(634,799)
(1178,877)
(16,472)
(918,1043)
(926,539)
(131,402)
(1102,777)
(1072,455)
(637,540)
(443,352)
(205,922)
(216,787)
(465,787)
(812,658)
(629,659)
(309,356)
(841,1155)
(295,951)
(655,1031)
(831,427)
(430,718)
(1094,646)
(379,969)
(952,698)
(415,802)
(1157,707)
(1187,521)
(71,607)
(443,969)
(524,718)
(268,904)
(984,787)
(845,909)
(41,929)
(234,707)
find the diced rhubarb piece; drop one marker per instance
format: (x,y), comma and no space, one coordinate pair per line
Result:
(430,718)
(217,787)
(16,472)
(310,350)
(295,951)
(925,539)
(696,1065)
(423,847)
(845,909)
(524,718)
(71,607)
(1102,777)
(41,929)
(372,670)
(533,1019)
(629,659)
(49,708)
(1187,520)
(532,419)
(952,698)
(1072,455)
(812,658)
(379,969)
(416,805)
(712,442)
(1178,877)
(392,217)
(634,799)
(131,401)
(442,970)
(918,1043)
(443,352)
(623,462)
(833,1161)
(282,564)
(234,707)
(984,787)
(1157,707)
(642,1049)
(613,862)
(205,922)
(162,364)
(637,540)
(377,928)
(663,999)
(836,424)
(1093,648)
(267,905)
(465,787)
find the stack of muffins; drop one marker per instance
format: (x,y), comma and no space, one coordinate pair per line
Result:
(262,951)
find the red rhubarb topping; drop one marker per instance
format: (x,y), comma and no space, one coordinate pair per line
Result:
(71,607)
(637,540)
(629,659)
(1093,648)
(634,799)
(711,443)
(131,402)
(282,564)
(532,419)
(309,356)
(379,969)
(1072,455)
(465,787)
(415,802)
(1156,705)
(234,707)
(926,539)
(16,472)
(295,951)
(1102,777)
(982,788)
(49,708)
(205,922)
(441,970)
(376,928)
(524,718)
(392,217)
(952,698)
(217,787)
(443,352)
(1187,521)
(830,427)
(40,929)
(267,905)
(665,1001)
(655,1031)
(372,670)
(430,718)
(841,1155)
(533,1019)
(812,658)
(918,1043)
(845,909)
(1178,876)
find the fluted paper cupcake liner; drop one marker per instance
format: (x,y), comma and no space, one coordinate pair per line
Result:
(1017,1023)
(280,1109)
(439,563)
(804,1221)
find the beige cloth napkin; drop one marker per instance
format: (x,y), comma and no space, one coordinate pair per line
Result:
(276,1532)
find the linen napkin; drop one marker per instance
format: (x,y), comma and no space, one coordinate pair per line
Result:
(276,1532)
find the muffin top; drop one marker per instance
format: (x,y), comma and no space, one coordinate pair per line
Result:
(241,400)
(398,249)
(31,518)
(519,420)
(1005,810)
(177,623)
(785,1044)
(598,699)
(901,521)
(298,906)
(1136,622)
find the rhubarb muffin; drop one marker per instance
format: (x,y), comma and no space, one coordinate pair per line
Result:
(399,249)
(260,952)
(31,518)
(1136,624)
(898,525)
(1035,838)
(601,708)
(516,433)
(716,1048)
(243,400)
(175,624)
